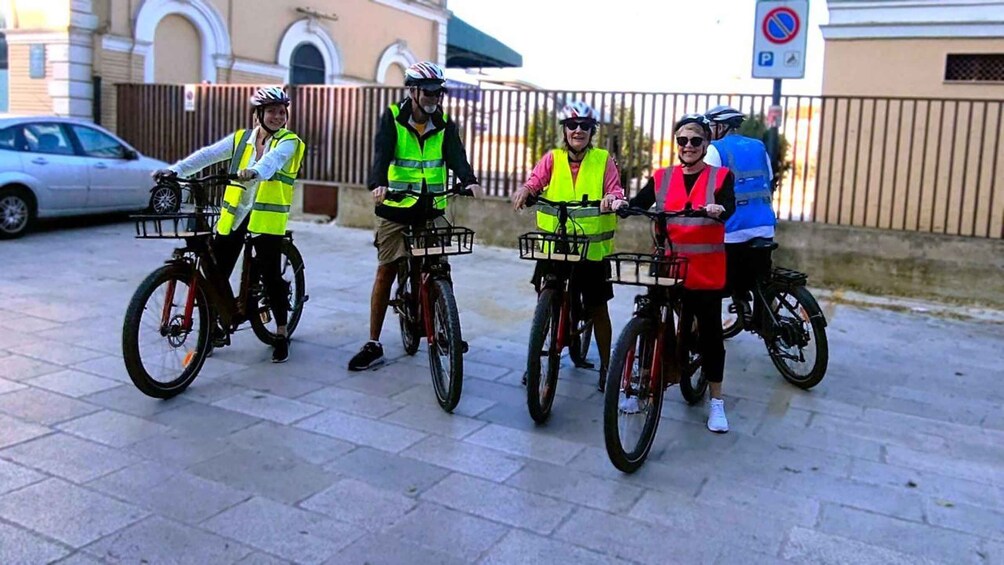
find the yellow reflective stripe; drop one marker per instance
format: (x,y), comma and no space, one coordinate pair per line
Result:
(601,236)
(229,208)
(283,178)
(263,207)
(414,164)
(235,160)
(587,212)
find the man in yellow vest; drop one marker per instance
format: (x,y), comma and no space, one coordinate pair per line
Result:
(266,159)
(566,175)
(416,142)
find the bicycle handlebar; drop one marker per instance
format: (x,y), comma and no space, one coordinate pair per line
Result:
(584,203)
(628,211)
(397,195)
(210,180)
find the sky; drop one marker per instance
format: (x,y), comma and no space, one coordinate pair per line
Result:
(637,45)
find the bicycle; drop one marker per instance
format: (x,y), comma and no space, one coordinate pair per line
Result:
(656,348)
(424,300)
(786,316)
(166,332)
(559,320)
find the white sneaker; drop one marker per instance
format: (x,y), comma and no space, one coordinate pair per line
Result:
(716,416)
(628,405)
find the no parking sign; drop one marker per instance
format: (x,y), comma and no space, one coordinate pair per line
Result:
(779,38)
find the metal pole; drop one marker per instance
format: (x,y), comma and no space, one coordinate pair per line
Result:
(772,138)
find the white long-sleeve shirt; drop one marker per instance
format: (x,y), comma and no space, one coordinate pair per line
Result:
(223,150)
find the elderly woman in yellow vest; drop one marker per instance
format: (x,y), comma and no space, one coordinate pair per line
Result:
(266,159)
(415,143)
(566,175)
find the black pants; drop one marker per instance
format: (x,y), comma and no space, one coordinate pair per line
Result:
(745,264)
(268,257)
(706,306)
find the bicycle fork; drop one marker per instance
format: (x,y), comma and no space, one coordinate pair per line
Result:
(425,300)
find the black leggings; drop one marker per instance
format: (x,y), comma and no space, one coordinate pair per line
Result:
(706,306)
(268,255)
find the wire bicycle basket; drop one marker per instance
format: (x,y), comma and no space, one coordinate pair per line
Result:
(446,240)
(645,269)
(545,246)
(174,226)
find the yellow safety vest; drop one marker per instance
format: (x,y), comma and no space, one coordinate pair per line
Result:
(598,227)
(270,210)
(414,163)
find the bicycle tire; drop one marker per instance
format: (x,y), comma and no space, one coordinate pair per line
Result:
(817,322)
(637,330)
(581,338)
(192,361)
(407,314)
(446,331)
(296,296)
(731,327)
(544,326)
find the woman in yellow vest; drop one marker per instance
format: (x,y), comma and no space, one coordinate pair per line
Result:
(266,159)
(565,175)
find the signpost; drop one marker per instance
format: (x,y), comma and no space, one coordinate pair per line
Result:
(189,97)
(780,32)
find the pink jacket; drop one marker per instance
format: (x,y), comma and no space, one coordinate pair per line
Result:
(541,176)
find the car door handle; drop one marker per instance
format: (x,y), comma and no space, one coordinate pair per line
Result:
(40,161)
(100,166)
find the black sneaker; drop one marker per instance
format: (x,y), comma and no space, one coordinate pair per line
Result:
(280,350)
(369,356)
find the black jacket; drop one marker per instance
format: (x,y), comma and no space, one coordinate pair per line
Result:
(725,197)
(383,154)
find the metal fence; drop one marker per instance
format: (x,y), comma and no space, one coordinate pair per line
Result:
(893,163)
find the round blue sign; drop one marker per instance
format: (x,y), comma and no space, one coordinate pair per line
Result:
(781,25)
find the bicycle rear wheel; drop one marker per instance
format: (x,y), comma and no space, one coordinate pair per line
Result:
(542,381)
(262,321)
(732,316)
(799,348)
(446,354)
(406,311)
(163,353)
(632,402)
(582,335)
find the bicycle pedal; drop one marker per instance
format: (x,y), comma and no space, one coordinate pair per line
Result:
(465,347)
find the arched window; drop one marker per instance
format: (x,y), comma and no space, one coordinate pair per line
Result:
(306,66)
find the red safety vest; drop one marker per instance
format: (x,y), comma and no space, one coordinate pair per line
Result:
(700,240)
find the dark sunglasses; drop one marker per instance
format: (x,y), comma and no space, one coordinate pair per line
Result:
(584,125)
(433,93)
(694,141)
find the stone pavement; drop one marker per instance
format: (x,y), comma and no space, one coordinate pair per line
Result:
(897,457)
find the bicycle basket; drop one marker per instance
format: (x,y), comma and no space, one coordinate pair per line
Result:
(174,226)
(644,269)
(544,246)
(447,240)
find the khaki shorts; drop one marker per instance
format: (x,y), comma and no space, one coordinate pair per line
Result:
(389,239)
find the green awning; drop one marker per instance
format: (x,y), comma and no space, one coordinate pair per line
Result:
(468,47)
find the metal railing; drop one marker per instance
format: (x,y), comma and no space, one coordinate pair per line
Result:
(893,163)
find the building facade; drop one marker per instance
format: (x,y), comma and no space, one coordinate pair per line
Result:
(65,56)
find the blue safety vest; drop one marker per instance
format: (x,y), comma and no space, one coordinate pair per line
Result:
(748,160)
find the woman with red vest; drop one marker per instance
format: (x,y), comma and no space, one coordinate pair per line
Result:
(697,185)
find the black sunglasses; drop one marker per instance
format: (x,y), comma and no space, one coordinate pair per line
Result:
(694,141)
(584,125)
(433,93)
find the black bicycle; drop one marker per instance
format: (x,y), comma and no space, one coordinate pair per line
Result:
(559,320)
(782,311)
(166,333)
(424,300)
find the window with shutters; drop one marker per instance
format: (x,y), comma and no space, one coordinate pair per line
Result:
(975,67)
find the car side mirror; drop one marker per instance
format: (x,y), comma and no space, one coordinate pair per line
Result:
(130,154)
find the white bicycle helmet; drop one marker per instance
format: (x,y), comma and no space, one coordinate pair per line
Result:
(725,115)
(268,96)
(425,73)
(578,110)
(699,119)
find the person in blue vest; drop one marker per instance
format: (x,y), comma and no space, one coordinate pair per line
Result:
(754,220)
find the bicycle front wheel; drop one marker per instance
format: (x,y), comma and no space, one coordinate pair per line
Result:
(632,401)
(262,320)
(406,310)
(163,348)
(542,378)
(799,348)
(446,354)
(582,335)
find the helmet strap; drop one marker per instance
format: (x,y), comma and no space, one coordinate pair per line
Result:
(260,114)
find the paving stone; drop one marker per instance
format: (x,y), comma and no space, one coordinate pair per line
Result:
(361,431)
(285,479)
(14,476)
(156,540)
(10,386)
(524,444)
(181,448)
(526,548)
(352,402)
(55,352)
(66,512)
(268,406)
(169,491)
(382,549)
(20,547)
(43,407)
(458,534)
(20,368)
(576,487)
(284,531)
(126,398)
(206,421)
(290,442)
(388,471)
(431,419)
(14,431)
(499,503)
(928,484)
(466,458)
(109,367)
(965,518)
(266,379)
(809,546)
(112,428)
(356,502)
(68,457)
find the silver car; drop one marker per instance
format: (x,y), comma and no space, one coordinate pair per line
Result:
(53,167)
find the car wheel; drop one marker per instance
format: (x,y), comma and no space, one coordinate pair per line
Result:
(165,200)
(17,212)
